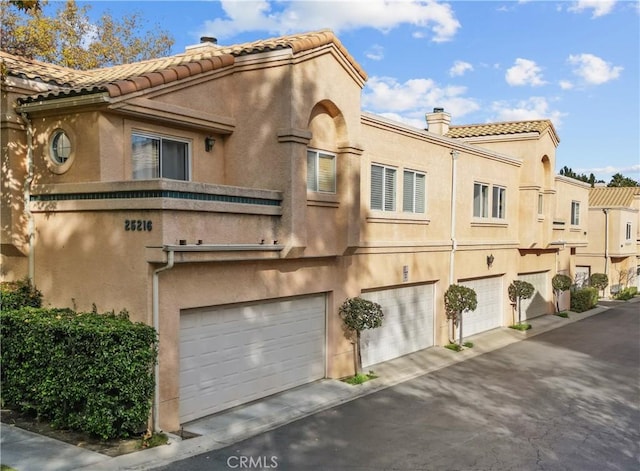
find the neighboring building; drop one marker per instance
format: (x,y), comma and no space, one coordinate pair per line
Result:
(614,238)
(235,196)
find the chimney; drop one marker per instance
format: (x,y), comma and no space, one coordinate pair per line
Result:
(438,122)
(206,42)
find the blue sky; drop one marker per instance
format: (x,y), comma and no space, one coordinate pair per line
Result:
(574,62)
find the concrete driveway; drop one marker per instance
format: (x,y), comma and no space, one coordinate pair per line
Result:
(568,399)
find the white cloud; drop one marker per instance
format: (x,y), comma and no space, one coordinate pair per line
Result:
(611,169)
(531,108)
(298,16)
(593,69)
(524,72)
(459,68)
(375,52)
(409,101)
(566,84)
(599,7)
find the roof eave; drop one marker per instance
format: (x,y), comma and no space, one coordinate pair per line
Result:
(65,102)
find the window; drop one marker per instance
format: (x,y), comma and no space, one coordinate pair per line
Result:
(159,157)
(628,231)
(413,193)
(321,172)
(499,202)
(383,188)
(575,213)
(540,204)
(480,200)
(60,147)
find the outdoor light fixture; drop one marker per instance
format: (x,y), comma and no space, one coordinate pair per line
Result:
(208,143)
(490,260)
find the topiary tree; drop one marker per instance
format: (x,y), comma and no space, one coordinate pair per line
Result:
(457,300)
(359,314)
(560,284)
(599,281)
(519,290)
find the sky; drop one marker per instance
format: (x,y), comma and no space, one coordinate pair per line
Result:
(573,62)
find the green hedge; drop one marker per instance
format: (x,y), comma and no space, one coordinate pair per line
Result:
(83,371)
(584,299)
(17,294)
(627,293)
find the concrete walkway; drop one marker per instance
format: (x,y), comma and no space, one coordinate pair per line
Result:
(26,451)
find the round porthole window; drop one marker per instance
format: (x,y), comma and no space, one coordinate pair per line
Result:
(60,147)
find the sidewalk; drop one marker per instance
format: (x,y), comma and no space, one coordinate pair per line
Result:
(26,451)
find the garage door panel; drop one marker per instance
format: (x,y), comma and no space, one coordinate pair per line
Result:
(538,304)
(407,326)
(234,355)
(488,313)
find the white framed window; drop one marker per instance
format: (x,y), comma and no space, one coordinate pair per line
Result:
(383,188)
(480,200)
(575,213)
(321,171)
(540,204)
(413,192)
(628,231)
(154,156)
(499,202)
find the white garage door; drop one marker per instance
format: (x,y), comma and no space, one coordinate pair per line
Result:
(488,314)
(538,303)
(582,276)
(407,326)
(236,354)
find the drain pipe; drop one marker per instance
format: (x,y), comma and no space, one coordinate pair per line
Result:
(454,243)
(606,241)
(156,325)
(27,198)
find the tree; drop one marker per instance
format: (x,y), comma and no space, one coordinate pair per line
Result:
(599,281)
(70,39)
(519,290)
(591,179)
(457,300)
(560,284)
(619,180)
(360,314)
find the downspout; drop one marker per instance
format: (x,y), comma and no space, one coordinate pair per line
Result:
(156,325)
(606,241)
(27,197)
(454,243)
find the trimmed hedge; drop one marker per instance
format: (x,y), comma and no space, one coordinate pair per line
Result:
(83,371)
(626,293)
(584,299)
(17,294)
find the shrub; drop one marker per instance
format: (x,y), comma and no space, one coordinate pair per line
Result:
(360,314)
(584,299)
(82,371)
(457,300)
(599,281)
(626,293)
(519,290)
(560,284)
(17,294)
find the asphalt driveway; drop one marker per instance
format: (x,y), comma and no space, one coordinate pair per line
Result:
(568,399)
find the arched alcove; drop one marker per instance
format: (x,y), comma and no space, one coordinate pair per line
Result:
(327,125)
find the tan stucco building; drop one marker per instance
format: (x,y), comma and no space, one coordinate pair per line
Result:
(614,238)
(235,196)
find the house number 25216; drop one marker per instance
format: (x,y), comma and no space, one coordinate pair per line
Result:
(137,225)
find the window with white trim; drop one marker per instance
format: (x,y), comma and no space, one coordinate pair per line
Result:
(154,156)
(383,188)
(575,213)
(413,192)
(321,171)
(499,202)
(480,200)
(628,231)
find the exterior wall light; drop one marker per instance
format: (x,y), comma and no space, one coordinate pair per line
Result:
(490,260)
(208,143)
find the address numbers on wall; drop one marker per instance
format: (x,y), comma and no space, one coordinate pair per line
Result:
(138,225)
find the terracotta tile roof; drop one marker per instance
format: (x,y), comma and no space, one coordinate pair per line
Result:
(493,129)
(127,78)
(608,197)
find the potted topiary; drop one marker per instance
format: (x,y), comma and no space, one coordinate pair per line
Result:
(519,290)
(457,300)
(360,314)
